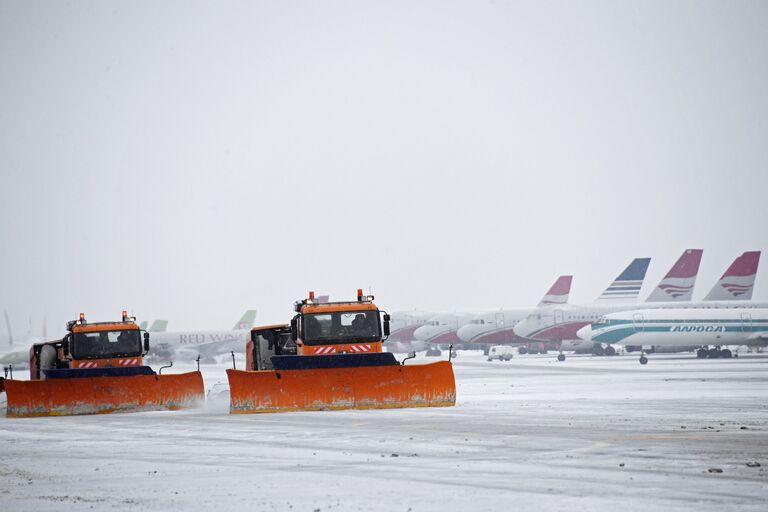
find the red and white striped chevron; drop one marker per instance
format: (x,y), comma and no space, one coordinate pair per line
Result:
(325,350)
(360,348)
(87,364)
(131,361)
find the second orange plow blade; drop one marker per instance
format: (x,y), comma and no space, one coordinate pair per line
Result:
(362,387)
(98,395)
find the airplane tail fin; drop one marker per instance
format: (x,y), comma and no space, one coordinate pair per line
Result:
(559,292)
(246,321)
(677,285)
(158,326)
(627,285)
(143,325)
(738,280)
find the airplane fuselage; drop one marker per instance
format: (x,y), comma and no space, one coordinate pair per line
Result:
(681,327)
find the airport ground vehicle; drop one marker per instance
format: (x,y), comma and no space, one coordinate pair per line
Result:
(501,352)
(97,368)
(330,357)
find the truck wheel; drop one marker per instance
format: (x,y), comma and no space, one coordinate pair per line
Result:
(726,354)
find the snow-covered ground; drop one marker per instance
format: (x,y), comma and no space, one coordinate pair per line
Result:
(529,434)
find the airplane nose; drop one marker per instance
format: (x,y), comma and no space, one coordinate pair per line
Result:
(585,333)
(422,333)
(466,332)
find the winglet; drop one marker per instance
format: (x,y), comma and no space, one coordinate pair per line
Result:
(559,292)
(738,280)
(677,285)
(627,285)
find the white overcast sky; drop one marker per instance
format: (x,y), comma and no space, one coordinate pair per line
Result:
(190,160)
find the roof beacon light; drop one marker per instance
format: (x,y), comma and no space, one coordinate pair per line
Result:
(125,315)
(82,318)
(359,295)
(311,296)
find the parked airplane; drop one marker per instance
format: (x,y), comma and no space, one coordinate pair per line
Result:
(495,327)
(560,325)
(555,324)
(403,325)
(440,330)
(709,329)
(190,344)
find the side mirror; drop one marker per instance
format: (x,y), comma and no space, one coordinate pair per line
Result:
(146,341)
(386,324)
(295,328)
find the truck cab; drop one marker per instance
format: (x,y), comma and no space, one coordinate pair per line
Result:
(91,345)
(321,328)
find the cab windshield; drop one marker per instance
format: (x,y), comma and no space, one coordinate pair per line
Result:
(340,327)
(105,344)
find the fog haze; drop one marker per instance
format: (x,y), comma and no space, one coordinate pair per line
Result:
(190,160)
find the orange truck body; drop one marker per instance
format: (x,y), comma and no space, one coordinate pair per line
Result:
(94,385)
(337,374)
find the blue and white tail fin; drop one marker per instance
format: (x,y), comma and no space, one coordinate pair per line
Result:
(677,285)
(246,321)
(143,325)
(627,286)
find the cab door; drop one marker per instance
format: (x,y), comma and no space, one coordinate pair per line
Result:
(638,321)
(746,322)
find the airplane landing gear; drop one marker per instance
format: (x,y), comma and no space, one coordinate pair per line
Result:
(561,357)
(643,359)
(610,351)
(714,353)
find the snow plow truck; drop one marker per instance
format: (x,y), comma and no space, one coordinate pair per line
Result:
(330,357)
(98,368)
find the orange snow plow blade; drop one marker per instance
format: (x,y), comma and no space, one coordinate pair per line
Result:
(100,395)
(356,387)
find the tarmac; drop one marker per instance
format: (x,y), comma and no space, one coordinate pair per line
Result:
(588,433)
